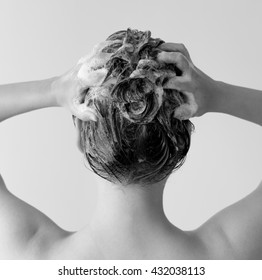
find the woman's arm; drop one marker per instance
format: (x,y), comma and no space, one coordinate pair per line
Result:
(62,91)
(21,225)
(211,95)
(241,102)
(19,98)
(239,226)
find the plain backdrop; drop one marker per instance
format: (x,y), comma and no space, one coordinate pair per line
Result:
(39,159)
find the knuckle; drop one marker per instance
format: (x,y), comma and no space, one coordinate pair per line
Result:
(183,47)
(188,79)
(179,57)
(162,56)
(184,51)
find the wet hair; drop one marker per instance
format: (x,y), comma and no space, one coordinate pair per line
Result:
(136,139)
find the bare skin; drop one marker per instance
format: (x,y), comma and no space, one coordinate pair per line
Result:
(129,222)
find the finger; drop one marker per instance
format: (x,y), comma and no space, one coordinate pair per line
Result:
(175,47)
(175,83)
(91,78)
(99,51)
(176,58)
(188,109)
(85,113)
(81,111)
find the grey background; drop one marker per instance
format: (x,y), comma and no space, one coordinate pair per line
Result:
(39,159)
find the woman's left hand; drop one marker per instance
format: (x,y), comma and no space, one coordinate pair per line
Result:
(196,85)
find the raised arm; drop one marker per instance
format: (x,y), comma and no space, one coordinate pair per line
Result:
(238,228)
(241,102)
(20,222)
(23,97)
(62,91)
(211,95)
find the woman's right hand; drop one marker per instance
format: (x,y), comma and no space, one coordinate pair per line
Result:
(69,93)
(192,80)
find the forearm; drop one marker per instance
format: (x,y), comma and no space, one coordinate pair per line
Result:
(237,101)
(23,97)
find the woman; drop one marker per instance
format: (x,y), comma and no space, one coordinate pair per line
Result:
(129,222)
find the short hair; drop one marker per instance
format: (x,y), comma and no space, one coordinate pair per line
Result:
(136,138)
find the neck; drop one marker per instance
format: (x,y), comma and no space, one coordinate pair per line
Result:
(129,221)
(132,207)
(122,208)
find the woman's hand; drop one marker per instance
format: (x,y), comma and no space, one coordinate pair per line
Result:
(70,94)
(70,88)
(192,79)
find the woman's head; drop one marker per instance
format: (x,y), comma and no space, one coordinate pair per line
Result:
(136,139)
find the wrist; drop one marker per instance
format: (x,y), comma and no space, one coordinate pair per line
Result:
(218,97)
(53,92)
(207,93)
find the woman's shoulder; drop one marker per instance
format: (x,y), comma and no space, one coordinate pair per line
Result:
(23,227)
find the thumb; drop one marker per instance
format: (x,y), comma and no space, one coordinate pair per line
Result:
(84,113)
(187,110)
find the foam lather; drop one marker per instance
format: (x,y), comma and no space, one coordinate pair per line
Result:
(124,71)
